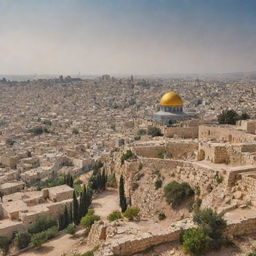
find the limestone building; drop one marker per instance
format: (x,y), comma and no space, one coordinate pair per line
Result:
(171,109)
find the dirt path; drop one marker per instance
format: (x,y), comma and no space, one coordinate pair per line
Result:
(105,203)
(55,247)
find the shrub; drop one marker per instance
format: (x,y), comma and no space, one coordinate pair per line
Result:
(228,117)
(42,223)
(22,239)
(158,184)
(71,229)
(141,132)
(115,215)
(131,212)
(38,239)
(195,241)
(176,192)
(128,155)
(75,131)
(36,130)
(51,232)
(251,254)
(47,122)
(161,153)
(88,220)
(154,131)
(213,224)
(219,179)
(161,216)
(89,253)
(4,244)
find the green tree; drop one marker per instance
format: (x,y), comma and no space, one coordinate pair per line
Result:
(154,131)
(66,216)
(22,239)
(75,209)
(61,222)
(244,116)
(228,117)
(122,198)
(213,224)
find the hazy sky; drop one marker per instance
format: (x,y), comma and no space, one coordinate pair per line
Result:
(127,36)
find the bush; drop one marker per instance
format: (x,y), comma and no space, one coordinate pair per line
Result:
(51,232)
(36,130)
(38,239)
(47,122)
(42,223)
(251,254)
(213,224)
(161,216)
(128,155)
(231,116)
(131,213)
(75,131)
(71,229)
(158,184)
(88,220)
(141,132)
(4,244)
(22,239)
(195,241)
(154,131)
(176,193)
(115,215)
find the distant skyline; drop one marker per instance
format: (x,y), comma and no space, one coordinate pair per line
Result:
(127,36)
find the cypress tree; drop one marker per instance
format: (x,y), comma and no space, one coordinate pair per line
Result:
(66,216)
(71,182)
(81,206)
(61,222)
(84,200)
(71,215)
(122,198)
(75,209)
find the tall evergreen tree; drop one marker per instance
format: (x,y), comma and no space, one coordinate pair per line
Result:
(71,182)
(81,206)
(71,215)
(66,216)
(75,209)
(61,222)
(122,197)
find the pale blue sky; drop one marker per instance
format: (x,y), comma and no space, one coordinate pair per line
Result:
(127,36)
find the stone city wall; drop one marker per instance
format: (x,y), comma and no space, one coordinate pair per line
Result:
(174,150)
(181,132)
(224,134)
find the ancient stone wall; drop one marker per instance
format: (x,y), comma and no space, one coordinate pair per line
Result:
(172,150)
(181,132)
(224,134)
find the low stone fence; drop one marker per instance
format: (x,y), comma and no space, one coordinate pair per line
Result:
(130,245)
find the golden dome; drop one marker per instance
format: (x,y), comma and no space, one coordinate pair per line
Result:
(171,99)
